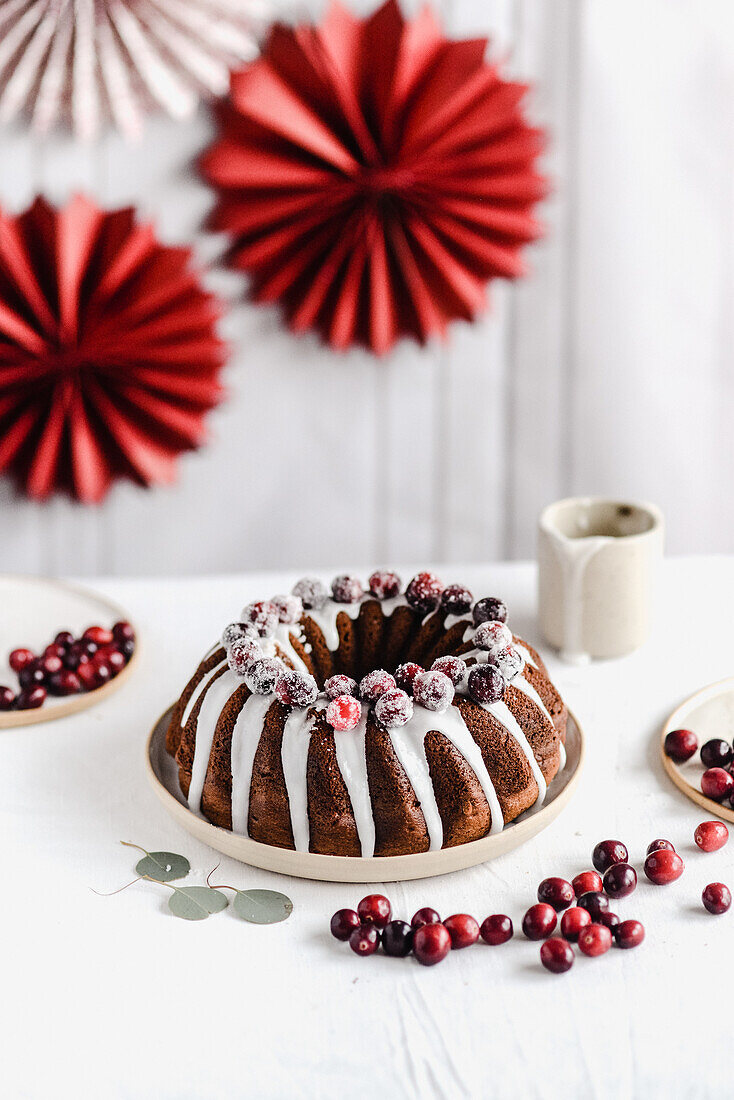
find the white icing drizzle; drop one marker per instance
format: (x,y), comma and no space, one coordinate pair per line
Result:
(352,761)
(524,653)
(216,698)
(325,617)
(245,739)
(562,750)
(294,756)
(200,687)
(503,714)
(283,638)
(527,688)
(210,652)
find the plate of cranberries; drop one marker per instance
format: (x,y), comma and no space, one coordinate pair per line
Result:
(697,748)
(62,648)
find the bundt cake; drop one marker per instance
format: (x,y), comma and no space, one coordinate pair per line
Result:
(360,723)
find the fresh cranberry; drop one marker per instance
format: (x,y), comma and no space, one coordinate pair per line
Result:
(397,939)
(424,592)
(7,698)
(76,655)
(609,920)
(539,921)
(346,589)
(586,882)
(64,639)
(97,634)
(486,684)
(557,956)
(50,665)
(114,659)
(680,745)
(32,675)
(717,784)
(425,916)
(489,608)
(496,929)
(20,658)
(123,632)
(385,585)
(711,835)
(343,923)
(607,853)
(556,892)
(716,898)
(88,676)
(716,753)
(344,712)
(102,670)
(463,930)
(405,674)
(620,880)
(594,940)
(456,599)
(375,684)
(663,867)
(340,685)
(364,940)
(374,909)
(126,649)
(594,902)
(628,934)
(572,921)
(431,944)
(659,846)
(65,682)
(55,650)
(31,698)
(89,647)
(433,690)
(296,689)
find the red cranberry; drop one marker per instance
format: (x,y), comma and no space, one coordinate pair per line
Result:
(453,667)
(405,674)
(64,639)
(433,690)
(397,939)
(595,939)
(394,708)
(344,712)
(587,882)
(31,698)
(663,867)
(620,880)
(572,921)
(486,684)
(607,853)
(114,659)
(385,585)
(711,835)
(31,676)
(65,682)
(20,658)
(557,956)
(717,784)
(456,600)
(89,647)
(7,698)
(659,846)
(496,929)
(594,903)
(556,892)
(716,753)
(296,689)
(126,649)
(55,650)
(50,665)
(539,921)
(375,684)
(488,609)
(346,589)
(343,923)
(97,634)
(375,909)
(628,934)
(431,944)
(123,632)
(102,670)
(424,592)
(463,930)
(340,685)
(87,675)
(76,655)
(680,745)
(609,920)
(364,940)
(716,898)
(425,916)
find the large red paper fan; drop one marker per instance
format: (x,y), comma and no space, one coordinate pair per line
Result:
(374,175)
(109,356)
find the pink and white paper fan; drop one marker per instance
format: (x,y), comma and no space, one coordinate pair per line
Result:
(84,62)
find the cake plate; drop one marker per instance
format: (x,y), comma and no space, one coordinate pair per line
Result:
(34,610)
(163,775)
(709,713)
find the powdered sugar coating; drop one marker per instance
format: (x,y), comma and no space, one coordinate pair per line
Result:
(340,685)
(406,673)
(236,630)
(509,661)
(262,675)
(492,635)
(433,690)
(453,667)
(486,684)
(375,684)
(385,585)
(296,689)
(489,607)
(424,592)
(290,608)
(344,712)
(263,615)
(394,708)
(312,592)
(242,652)
(456,599)
(346,589)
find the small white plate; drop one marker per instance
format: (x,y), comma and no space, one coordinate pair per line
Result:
(163,775)
(709,713)
(34,610)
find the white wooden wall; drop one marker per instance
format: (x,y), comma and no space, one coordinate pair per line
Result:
(609,370)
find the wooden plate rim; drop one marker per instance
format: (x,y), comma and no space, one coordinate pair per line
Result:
(674,722)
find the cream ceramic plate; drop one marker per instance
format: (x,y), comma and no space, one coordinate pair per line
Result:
(163,774)
(34,610)
(709,713)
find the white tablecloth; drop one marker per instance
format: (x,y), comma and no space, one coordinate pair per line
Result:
(114,997)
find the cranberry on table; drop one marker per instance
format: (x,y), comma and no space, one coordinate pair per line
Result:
(594,902)
(496,929)
(463,930)
(587,882)
(19,658)
(628,934)
(659,846)
(609,920)
(397,939)
(31,698)
(716,898)
(716,753)
(556,892)
(595,939)
(717,784)
(711,835)
(539,921)
(620,880)
(557,956)
(375,909)
(607,853)
(573,920)
(680,745)
(65,682)
(431,944)
(7,698)
(343,923)
(364,940)
(425,916)
(663,867)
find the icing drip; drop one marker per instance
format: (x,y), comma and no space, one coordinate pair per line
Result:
(325,617)
(562,748)
(201,687)
(527,688)
(283,639)
(352,761)
(217,695)
(294,756)
(245,739)
(504,715)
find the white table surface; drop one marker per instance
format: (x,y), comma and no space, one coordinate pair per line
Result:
(114,997)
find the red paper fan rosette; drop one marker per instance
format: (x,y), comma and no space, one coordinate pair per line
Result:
(374,176)
(109,356)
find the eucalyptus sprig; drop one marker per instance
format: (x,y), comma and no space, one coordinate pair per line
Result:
(160,866)
(257,906)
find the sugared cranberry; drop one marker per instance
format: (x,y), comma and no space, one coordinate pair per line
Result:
(717,784)
(595,903)
(405,674)
(123,631)
(397,939)
(486,684)
(431,944)
(364,940)
(263,675)
(312,592)
(289,608)
(492,635)
(628,934)
(456,599)
(609,920)
(375,909)
(608,852)
(509,661)
(375,684)
(424,592)
(97,634)
(346,589)
(663,867)
(716,898)
(556,892)
(296,689)
(620,880)
(87,675)
(587,882)
(31,698)
(343,923)
(394,709)
(572,921)
(711,835)
(539,921)
(263,615)
(489,608)
(385,585)
(340,685)
(463,930)
(32,675)
(433,690)
(659,846)
(7,698)
(65,638)
(594,940)
(496,929)
(241,654)
(20,658)
(557,956)
(425,916)
(680,745)
(344,713)
(716,753)
(453,667)
(233,631)
(65,682)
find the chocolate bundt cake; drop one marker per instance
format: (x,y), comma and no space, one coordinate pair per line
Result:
(358,723)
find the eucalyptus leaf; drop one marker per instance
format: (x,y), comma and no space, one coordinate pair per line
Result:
(196,902)
(163,866)
(262,906)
